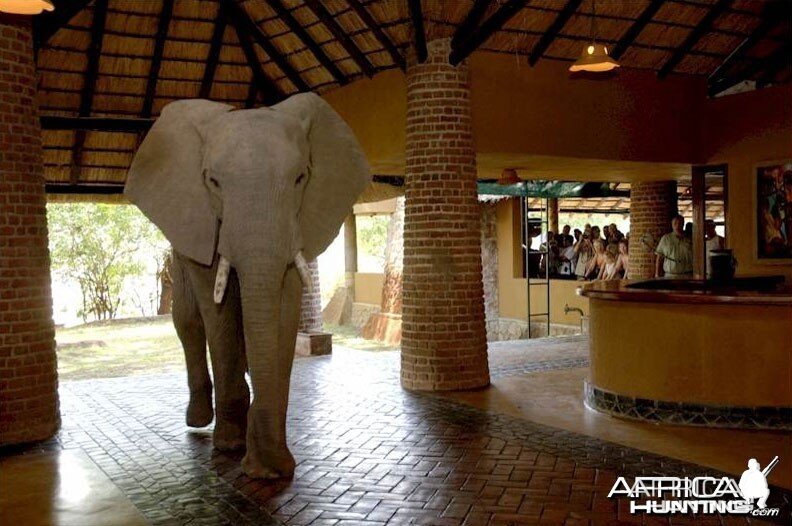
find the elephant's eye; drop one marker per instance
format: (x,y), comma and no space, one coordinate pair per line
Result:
(214,182)
(300,179)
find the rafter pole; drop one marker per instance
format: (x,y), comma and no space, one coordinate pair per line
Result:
(774,13)
(271,94)
(242,21)
(156,61)
(89,84)
(419,34)
(778,59)
(701,29)
(221,20)
(343,38)
(297,28)
(635,29)
(109,124)
(471,22)
(505,13)
(373,26)
(552,32)
(48,23)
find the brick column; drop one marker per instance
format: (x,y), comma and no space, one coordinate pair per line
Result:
(652,204)
(28,367)
(552,215)
(311,310)
(444,345)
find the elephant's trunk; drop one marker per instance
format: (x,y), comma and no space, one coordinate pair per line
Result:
(271,313)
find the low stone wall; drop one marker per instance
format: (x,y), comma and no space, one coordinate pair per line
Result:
(361,312)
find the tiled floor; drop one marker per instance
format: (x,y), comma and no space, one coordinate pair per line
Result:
(368,452)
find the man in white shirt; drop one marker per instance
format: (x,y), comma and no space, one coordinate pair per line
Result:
(674,252)
(712,241)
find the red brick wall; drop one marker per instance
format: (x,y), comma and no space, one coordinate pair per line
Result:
(652,204)
(28,370)
(444,345)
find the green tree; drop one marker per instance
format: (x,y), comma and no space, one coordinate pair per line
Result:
(100,246)
(372,233)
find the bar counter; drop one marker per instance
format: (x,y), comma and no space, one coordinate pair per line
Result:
(691,352)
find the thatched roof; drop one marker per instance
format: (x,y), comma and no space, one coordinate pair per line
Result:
(128,58)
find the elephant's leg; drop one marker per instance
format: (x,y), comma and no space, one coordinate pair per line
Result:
(223,326)
(190,329)
(268,454)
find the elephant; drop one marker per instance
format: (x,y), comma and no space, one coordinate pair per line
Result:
(245,197)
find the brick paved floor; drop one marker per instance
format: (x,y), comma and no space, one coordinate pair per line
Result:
(368,452)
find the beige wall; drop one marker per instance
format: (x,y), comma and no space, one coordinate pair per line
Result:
(368,287)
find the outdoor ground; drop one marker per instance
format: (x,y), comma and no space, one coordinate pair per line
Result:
(131,346)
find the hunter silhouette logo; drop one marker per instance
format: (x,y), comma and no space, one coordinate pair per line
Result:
(700,495)
(753,483)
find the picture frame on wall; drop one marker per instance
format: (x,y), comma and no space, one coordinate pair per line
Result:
(773,212)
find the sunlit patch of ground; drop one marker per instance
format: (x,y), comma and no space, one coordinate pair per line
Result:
(146,346)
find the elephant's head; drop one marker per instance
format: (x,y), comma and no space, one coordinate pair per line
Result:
(254,185)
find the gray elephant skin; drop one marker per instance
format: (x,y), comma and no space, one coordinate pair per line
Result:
(259,189)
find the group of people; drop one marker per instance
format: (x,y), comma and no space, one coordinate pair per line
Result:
(590,254)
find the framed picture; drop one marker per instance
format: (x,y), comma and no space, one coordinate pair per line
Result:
(773,198)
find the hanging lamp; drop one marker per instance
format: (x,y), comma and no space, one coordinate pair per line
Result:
(26,7)
(594,57)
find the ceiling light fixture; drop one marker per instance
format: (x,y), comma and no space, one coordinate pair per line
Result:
(26,7)
(594,57)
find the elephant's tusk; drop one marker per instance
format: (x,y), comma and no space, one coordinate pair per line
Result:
(304,271)
(223,268)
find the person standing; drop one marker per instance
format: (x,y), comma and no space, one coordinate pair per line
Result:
(712,242)
(674,252)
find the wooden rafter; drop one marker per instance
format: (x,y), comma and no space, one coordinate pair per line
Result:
(221,20)
(107,124)
(373,26)
(47,23)
(270,92)
(326,18)
(635,29)
(552,32)
(317,51)
(773,63)
(490,26)
(774,13)
(89,84)
(419,34)
(693,37)
(242,20)
(156,60)
(470,22)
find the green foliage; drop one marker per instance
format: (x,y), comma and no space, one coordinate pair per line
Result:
(100,246)
(372,235)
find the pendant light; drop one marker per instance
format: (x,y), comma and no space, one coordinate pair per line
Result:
(26,7)
(594,57)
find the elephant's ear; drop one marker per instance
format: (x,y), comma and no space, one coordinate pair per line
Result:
(165,179)
(338,169)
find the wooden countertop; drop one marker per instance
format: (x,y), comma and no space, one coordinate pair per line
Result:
(768,291)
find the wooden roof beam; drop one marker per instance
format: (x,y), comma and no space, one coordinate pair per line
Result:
(505,13)
(221,20)
(373,26)
(419,34)
(552,32)
(89,84)
(156,60)
(635,29)
(701,29)
(774,13)
(777,59)
(106,124)
(241,20)
(48,23)
(326,18)
(471,22)
(271,94)
(301,33)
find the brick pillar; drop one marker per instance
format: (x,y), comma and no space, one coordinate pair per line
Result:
(444,344)
(28,367)
(652,204)
(489,265)
(311,310)
(552,215)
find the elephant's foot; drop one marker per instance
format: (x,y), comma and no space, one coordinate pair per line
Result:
(228,437)
(257,469)
(199,410)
